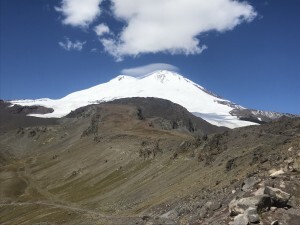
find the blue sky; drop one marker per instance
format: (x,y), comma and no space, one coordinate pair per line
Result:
(253,59)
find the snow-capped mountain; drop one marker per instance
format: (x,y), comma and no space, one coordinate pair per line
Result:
(161,84)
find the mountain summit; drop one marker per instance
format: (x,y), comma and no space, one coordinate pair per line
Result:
(160,84)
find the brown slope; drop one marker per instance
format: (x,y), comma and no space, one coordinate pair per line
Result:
(105,165)
(176,114)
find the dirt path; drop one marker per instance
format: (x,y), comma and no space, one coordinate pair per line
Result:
(48,199)
(32,184)
(66,207)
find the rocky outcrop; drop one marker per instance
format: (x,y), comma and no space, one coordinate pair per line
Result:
(93,128)
(25,110)
(258,116)
(12,117)
(279,198)
(171,115)
(149,149)
(260,203)
(246,210)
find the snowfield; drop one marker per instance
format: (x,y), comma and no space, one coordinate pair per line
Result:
(160,84)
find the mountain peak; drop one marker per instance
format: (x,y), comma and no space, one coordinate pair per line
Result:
(162,75)
(122,78)
(162,84)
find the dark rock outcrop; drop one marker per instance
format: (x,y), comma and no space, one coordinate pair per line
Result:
(15,117)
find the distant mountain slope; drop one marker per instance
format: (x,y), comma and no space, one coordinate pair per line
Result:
(160,84)
(259,116)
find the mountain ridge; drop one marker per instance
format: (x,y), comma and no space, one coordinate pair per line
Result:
(160,84)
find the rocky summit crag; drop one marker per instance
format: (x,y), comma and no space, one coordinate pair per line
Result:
(146,161)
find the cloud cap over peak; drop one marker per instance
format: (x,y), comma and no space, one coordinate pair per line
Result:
(146,69)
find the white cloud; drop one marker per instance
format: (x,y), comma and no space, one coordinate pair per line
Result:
(152,26)
(172,26)
(79,12)
(143,70)
(69,45)
(101,29)
(93,50)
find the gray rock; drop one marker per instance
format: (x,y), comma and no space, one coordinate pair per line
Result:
(249,183)
(215,205)
(208,208)
(252,215)
(296,165)
(172,214)
(241,219)
(259,202)
(279,197)
(275,222)
(254,218)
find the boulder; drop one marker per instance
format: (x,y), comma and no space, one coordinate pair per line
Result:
(296,165)
(214,205)
(279,198)
(259,202)
(208,208)
(252,215)
(172,214)
(249,183)
(241,219)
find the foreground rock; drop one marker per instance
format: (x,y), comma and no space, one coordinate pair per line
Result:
(246,210)
(252,215)
(241,219)
(249,183)
(260,203)
(279,197)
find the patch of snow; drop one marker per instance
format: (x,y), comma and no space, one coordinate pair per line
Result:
(223,120)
